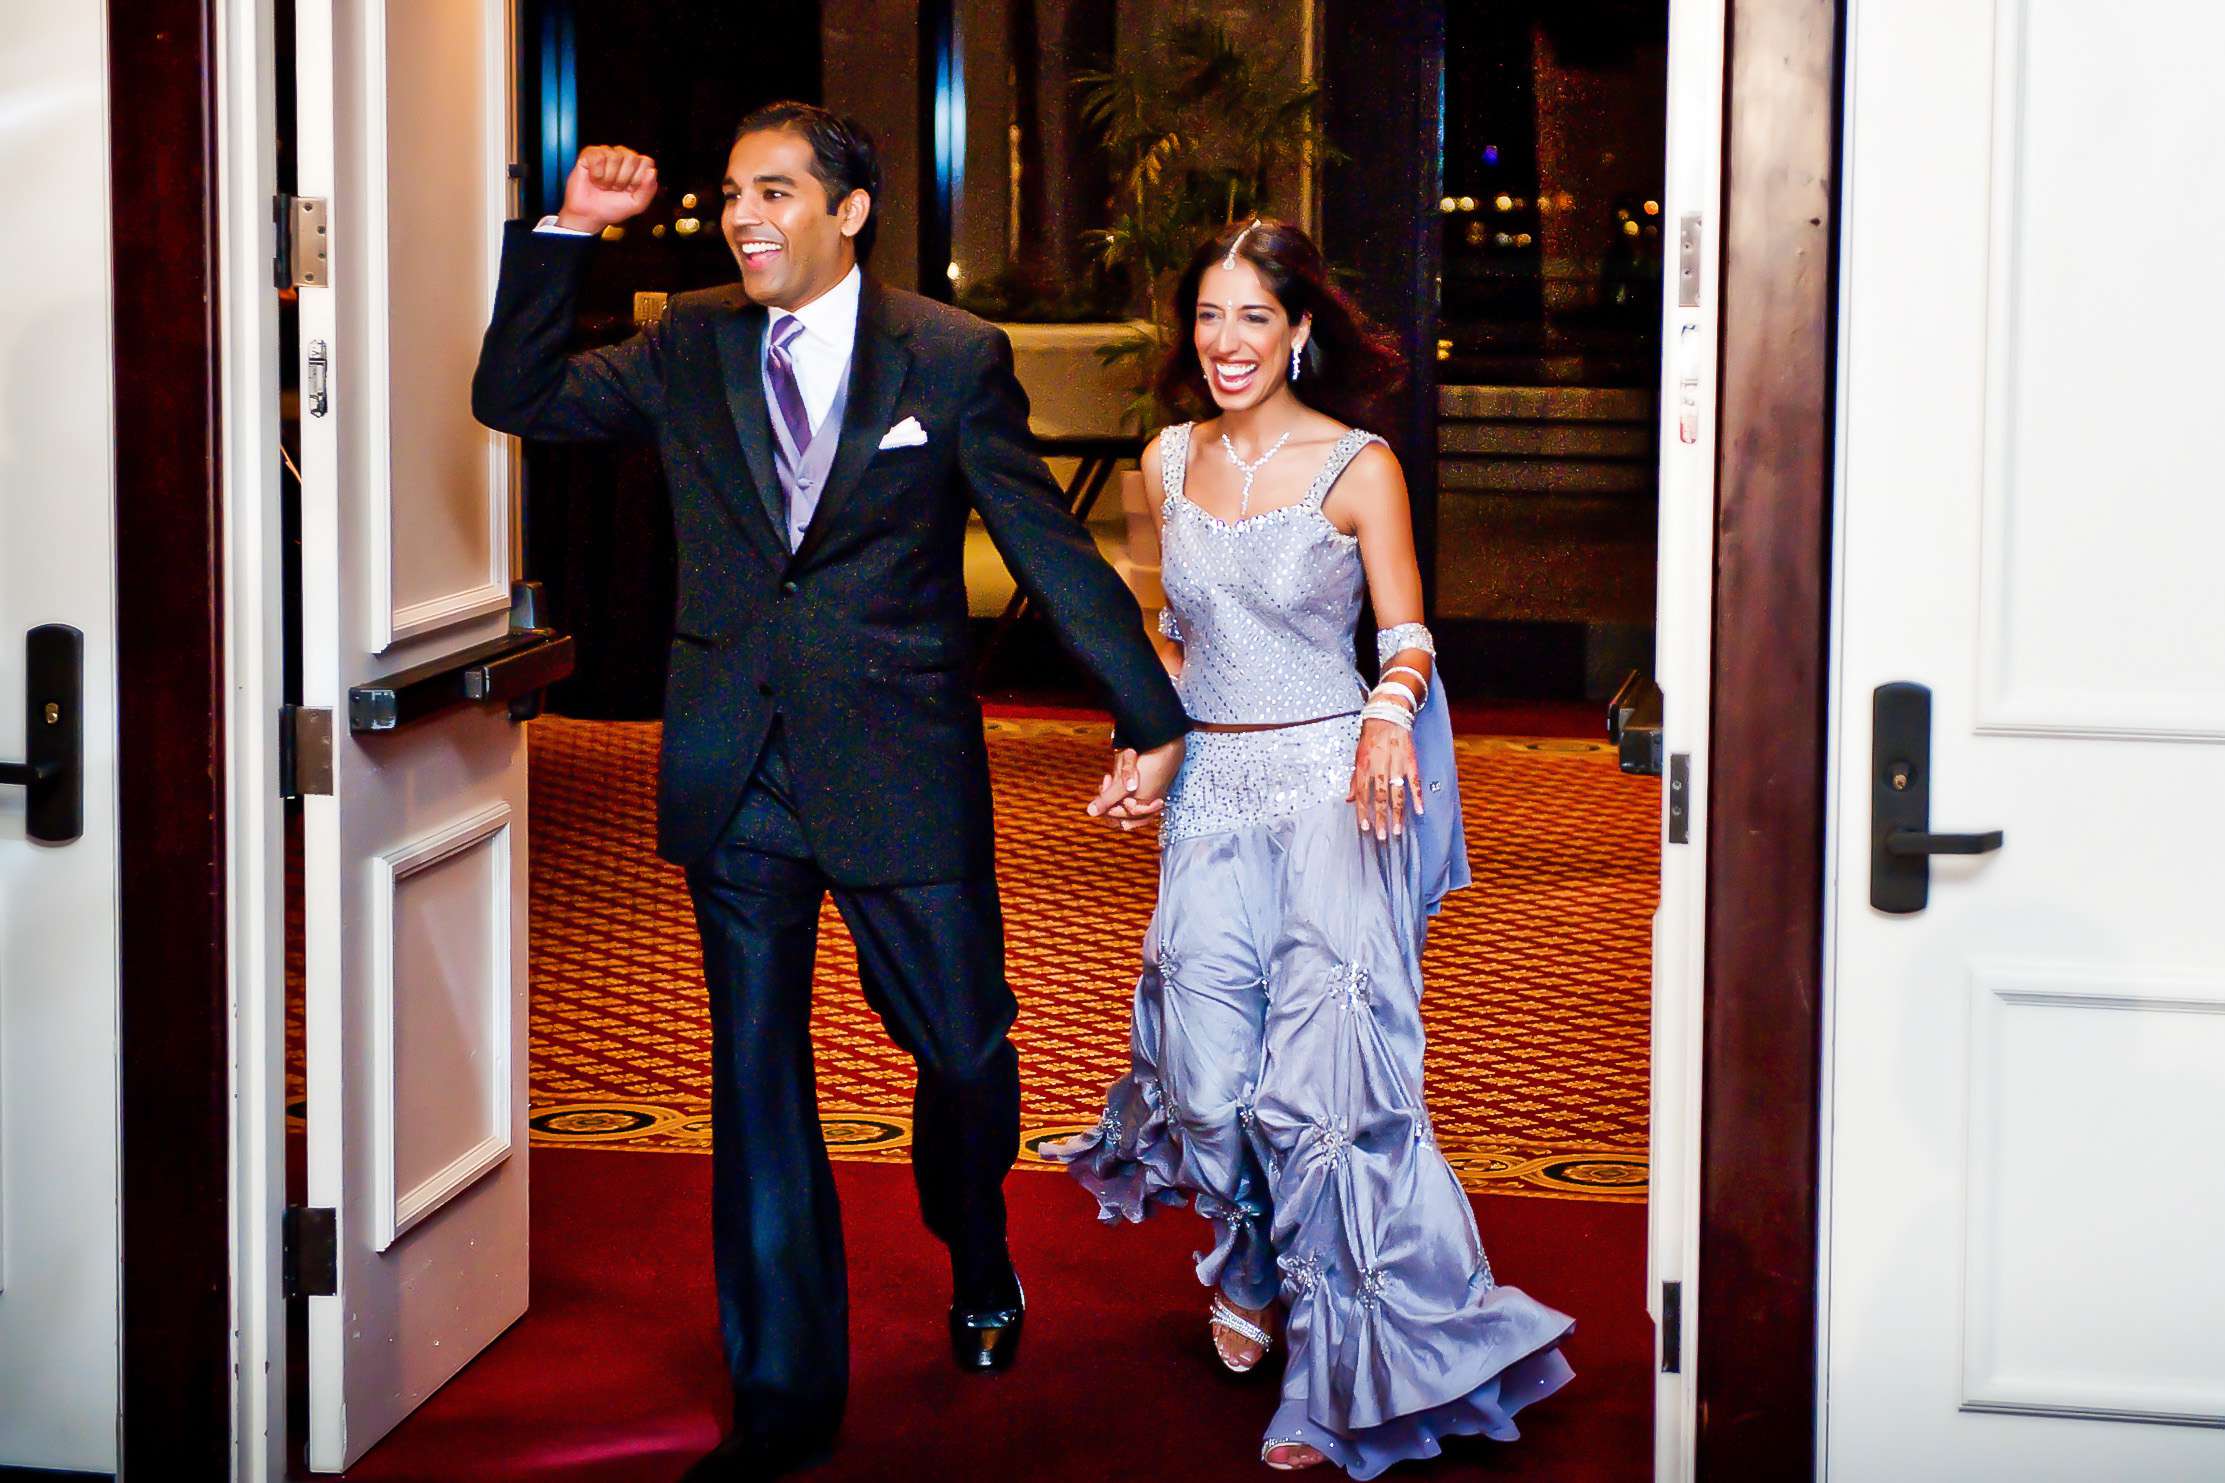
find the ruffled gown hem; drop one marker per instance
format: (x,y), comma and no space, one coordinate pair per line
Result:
(1488,1410)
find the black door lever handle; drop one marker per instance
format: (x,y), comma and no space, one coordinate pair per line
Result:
(1901,841)
(1914,842)
(53,773)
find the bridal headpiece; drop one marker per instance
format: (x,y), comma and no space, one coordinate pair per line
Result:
(1230,260)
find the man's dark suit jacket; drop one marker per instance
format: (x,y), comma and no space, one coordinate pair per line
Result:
(857,641)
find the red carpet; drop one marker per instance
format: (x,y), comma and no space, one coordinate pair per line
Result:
(614,1376)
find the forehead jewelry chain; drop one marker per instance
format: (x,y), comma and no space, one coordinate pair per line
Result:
(1230,260)
(1244,501)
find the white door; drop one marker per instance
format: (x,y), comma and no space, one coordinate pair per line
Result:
(415,862)
(58,1086)
(1683,654)
(2026,1119)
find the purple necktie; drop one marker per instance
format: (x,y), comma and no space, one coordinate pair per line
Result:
(785,390)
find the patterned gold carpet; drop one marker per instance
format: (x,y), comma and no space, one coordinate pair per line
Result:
(1536,1004)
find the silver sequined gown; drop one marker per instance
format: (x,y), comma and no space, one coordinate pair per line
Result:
(1278,1041)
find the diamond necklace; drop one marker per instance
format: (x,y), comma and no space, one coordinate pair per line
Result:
(1244,501)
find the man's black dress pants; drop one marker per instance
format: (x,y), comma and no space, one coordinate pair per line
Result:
(932,961)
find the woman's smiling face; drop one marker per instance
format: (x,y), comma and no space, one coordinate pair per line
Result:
(1243,335)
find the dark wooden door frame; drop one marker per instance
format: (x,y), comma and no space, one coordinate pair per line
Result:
(1760,1162)
(173,982)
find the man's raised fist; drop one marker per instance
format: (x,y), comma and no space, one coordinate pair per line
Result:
(609,184)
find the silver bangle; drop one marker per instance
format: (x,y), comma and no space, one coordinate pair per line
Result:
(1393,693)
(1403,636)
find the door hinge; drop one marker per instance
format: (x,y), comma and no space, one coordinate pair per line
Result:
(1672,1328)
(304,752)
(301,256)
(309,1263)
(1680,798)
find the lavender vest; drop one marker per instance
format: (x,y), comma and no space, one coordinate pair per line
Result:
(803,479)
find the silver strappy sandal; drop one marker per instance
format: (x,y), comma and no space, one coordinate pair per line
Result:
(1226,1317)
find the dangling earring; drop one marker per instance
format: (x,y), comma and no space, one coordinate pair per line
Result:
(1295,364)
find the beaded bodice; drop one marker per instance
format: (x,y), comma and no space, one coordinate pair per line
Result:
(1265,606)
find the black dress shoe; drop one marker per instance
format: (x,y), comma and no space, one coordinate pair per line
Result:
(988,1338)
(744,1459)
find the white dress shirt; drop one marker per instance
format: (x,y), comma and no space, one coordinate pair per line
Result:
(822,352)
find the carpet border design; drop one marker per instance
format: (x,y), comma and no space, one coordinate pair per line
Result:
(1615,1175)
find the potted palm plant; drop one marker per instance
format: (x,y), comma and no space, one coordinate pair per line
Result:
(1200,125)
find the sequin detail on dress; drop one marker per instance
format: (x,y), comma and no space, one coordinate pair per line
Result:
(1266,605)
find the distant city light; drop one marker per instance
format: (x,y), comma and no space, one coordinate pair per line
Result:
(1504,203)
(1653,208)
(1450,203)
(1491,154)
(1467,203)
(953,272)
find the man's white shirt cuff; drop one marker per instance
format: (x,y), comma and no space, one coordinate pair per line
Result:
(548,224)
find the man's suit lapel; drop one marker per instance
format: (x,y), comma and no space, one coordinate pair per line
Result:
(741,339)
(878,365)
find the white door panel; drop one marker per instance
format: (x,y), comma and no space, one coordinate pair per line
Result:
(415,863)
(437,146)
(58,1068)
(2029,1075)
(1684,652)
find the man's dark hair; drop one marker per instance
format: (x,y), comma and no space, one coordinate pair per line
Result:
(843,156)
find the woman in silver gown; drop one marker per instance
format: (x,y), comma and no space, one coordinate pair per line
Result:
(1277,1044)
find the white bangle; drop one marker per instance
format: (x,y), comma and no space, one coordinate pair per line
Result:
(1394,694)
(1384,710)
(1407,669)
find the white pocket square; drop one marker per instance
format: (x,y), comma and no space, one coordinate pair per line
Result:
(906,434)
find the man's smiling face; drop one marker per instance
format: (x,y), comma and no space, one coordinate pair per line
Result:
(792,248)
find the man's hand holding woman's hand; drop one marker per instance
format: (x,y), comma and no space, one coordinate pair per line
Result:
(1136,788)
(609,184)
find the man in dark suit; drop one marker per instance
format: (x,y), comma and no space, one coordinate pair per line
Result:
(824,438)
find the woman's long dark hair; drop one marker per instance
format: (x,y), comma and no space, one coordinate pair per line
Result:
(1350,362)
